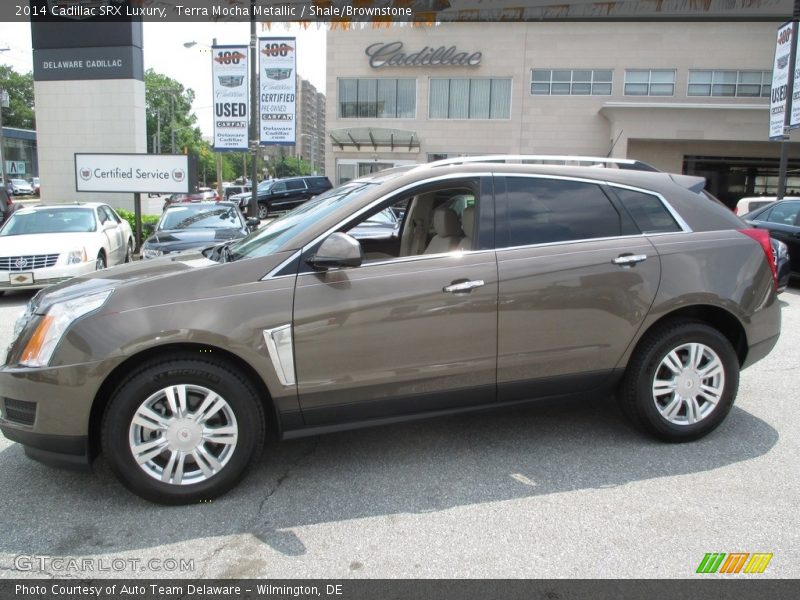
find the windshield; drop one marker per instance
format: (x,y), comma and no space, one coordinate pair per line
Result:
(200,217)
(271,237)
(53,220)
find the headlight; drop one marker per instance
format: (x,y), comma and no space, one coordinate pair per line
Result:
(51,328)
(151,252)
(78,255)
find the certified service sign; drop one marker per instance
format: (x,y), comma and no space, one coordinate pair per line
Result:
(147,173)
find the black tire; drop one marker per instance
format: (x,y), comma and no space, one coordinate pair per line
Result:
(150,380)
(129,252)
(263,210)
(100,263)
(644,407)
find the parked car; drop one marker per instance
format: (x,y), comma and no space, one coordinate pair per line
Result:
(35,186)
(751,203)
(554,281)
(233,190)
(782,220)
(284,194)
(780,254)
(45,245)
(198,196)
(19,187)
(198,225)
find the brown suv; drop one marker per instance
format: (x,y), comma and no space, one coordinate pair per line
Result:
(502,283)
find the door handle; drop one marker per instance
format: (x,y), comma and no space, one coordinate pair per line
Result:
(628,260)
(463,286)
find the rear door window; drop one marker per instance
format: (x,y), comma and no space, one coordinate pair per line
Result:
(295,184)
(541,211)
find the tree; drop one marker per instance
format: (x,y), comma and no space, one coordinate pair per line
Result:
(170,120)
(20,111)
(288,166)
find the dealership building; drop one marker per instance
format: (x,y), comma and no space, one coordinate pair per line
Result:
(690,97)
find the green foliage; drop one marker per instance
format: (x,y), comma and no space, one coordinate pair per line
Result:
(170,104)
(148,223)
(20,112)
(288,166)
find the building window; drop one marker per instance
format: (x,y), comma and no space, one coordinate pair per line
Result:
(743,84)
(470,99)
(571,82)
(378,98)
(650,82)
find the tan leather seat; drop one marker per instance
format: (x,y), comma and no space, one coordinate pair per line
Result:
(468,226)
(448,231)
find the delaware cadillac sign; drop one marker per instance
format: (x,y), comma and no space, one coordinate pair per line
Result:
(393,55)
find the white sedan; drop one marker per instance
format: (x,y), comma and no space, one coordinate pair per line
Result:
(44,245)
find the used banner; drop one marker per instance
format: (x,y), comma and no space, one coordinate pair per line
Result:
(278,90)
(231,116)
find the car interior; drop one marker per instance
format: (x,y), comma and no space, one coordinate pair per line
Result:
(432,221)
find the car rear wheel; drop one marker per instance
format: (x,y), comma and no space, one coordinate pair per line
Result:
(183,431)
(100,263)
(682,381)
(129,252)
(263,210)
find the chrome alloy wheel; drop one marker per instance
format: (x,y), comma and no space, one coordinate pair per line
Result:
(183,434)
(688,384)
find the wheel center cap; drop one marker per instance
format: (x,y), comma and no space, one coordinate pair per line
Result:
(184,435)
(688,382)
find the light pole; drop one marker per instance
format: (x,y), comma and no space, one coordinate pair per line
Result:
(252,207)
(4,102)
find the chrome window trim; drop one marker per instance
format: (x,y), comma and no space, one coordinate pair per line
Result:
(670,209)
(599,182)
(405,259)
(641,236)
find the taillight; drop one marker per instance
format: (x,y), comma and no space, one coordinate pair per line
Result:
(762,237)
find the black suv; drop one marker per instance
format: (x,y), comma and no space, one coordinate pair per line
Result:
(284,194)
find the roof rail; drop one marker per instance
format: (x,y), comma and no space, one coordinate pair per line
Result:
(577,161)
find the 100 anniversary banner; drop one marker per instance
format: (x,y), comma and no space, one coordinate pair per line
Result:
(278,87)
(231,98)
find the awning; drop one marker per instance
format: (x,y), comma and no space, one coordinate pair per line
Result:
(374,137)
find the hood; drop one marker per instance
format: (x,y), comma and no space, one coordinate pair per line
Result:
(41,243)
(177,278)
(174,240)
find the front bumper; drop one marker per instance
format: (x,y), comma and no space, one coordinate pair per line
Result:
(48,411)
(45,277)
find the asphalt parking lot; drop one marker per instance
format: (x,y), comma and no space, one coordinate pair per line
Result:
(548,491)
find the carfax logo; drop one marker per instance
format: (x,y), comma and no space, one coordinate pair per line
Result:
(735,562)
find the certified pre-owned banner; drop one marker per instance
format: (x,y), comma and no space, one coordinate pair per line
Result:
(231,120)
(278,90)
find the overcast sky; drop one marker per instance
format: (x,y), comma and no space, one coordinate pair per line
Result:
(165,53)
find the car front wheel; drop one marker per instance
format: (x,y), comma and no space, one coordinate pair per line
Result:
(183,431)
(682,381)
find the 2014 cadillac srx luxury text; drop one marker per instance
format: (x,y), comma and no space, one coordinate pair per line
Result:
(500,283)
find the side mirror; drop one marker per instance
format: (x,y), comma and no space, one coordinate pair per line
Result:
(338,250)
(109,224)
(252,223)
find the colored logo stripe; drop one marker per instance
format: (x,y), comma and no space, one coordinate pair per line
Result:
(758,563)
(714,562)
(711,562)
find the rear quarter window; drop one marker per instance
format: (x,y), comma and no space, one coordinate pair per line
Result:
(647,211)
